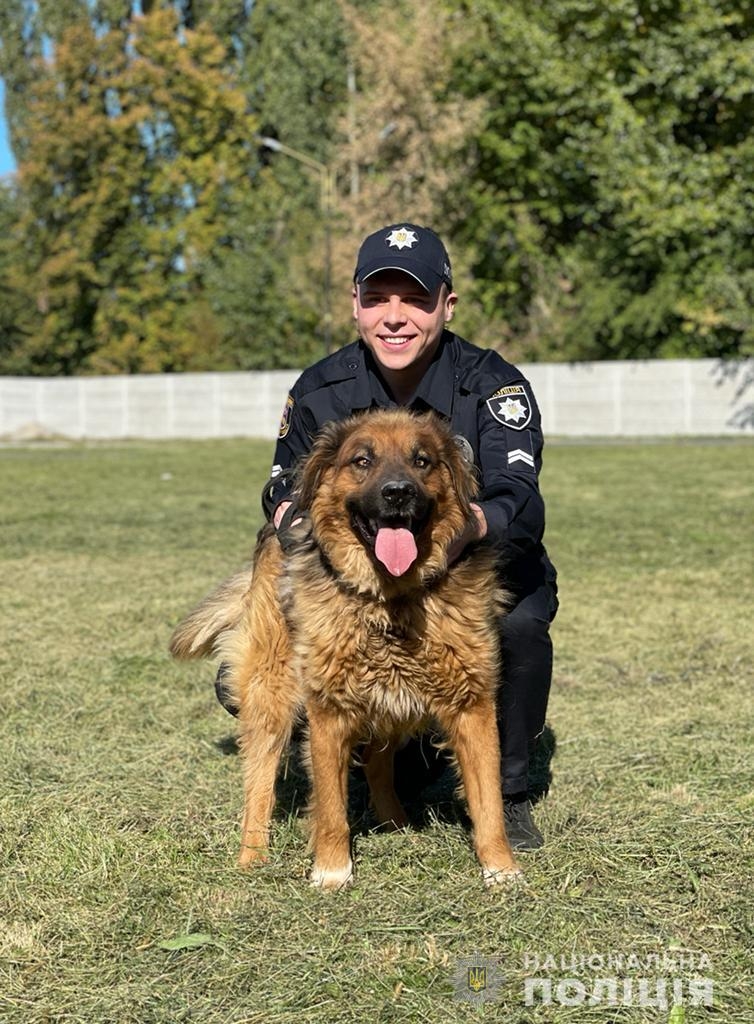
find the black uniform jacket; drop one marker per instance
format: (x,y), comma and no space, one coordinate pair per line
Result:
(486,400)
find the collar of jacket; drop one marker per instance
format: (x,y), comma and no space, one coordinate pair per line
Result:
(436,388)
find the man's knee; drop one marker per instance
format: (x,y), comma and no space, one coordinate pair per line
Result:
(524,624)
(532,613)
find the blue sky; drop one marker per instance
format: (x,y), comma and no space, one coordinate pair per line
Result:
(7,163)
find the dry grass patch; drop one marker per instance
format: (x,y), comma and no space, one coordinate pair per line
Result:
(121,791)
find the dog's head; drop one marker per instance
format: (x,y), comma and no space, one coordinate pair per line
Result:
(387,492)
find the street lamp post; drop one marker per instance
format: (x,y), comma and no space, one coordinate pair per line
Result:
(326,207)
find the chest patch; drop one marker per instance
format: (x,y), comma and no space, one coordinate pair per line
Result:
(511,406)
(464,446)
(285,419)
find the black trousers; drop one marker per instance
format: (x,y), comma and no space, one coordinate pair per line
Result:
(526,650)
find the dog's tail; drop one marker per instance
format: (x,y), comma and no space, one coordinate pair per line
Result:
(197,635)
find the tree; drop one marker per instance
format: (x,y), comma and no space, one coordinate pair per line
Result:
(609,195)
(18,317)
(294,72)
(589,165)
(139,150)
(404,130)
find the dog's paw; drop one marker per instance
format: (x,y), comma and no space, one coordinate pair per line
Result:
(250,856)
(503,876)
(332,879)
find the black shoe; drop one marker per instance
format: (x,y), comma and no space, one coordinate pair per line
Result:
(223,691)
(522,833)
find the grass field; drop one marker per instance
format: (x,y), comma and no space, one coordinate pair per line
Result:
(121,790)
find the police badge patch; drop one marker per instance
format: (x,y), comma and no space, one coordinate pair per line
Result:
(285,419)
(511,406)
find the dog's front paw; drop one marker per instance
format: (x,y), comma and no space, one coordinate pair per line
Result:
(332,879)
(250,856)
(503,876)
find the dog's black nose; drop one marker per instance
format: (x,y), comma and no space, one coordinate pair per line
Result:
(398,493)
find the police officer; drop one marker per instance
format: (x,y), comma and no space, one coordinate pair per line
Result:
(403,299)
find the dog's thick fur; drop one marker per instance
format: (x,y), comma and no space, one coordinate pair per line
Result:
(328,631)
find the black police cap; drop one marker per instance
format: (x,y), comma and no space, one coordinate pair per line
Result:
(409,248)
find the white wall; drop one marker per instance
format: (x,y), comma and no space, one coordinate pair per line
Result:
(608,399)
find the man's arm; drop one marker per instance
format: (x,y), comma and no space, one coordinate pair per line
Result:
(510,453)
(294,441)
(476,529)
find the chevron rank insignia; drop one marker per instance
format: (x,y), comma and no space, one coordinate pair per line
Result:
(511,406)
(519,450)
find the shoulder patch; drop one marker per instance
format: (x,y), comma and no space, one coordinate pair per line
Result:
(285,419)
(511,406)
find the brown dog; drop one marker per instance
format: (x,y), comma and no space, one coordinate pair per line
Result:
(366,629)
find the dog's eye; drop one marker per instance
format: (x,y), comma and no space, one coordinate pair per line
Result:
(362,461)
(421,462)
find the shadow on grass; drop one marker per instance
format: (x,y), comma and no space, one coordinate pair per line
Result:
(426,782)
(540,765)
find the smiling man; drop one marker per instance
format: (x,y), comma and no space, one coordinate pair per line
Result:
(403,300)
(401,310)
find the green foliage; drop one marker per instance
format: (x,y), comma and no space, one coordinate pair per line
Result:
(266,284)
(612,192)
(154,239)
(293,69)
(404,129)
(139,151)
(18,318)
(590,163)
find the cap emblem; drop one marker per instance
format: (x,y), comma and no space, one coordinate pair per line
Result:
(402,238)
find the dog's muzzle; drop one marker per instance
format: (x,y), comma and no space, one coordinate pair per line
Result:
(389,520)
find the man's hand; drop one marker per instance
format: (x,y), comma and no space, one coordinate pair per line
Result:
(475,529)
(285,519)
(280,512)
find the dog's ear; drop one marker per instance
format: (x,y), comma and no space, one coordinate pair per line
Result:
(321,457)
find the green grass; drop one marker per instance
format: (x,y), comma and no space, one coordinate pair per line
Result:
(120,790)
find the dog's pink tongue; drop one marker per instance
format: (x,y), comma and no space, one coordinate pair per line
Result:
(396,549)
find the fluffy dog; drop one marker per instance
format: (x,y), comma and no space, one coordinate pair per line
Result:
(364,628)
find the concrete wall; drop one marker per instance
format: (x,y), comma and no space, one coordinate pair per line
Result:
(611,399)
